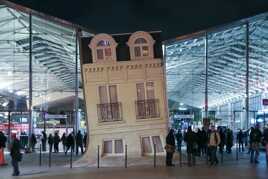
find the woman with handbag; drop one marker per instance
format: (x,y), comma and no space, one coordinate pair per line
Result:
(16,156)
(170,147)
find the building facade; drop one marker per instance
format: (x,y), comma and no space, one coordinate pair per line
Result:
(125,94)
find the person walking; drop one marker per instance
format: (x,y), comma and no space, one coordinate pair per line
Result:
(170,148)
(44,141)
(15,154)
(229,141)
(56,141)
(50,142)
(63,141)
(255,138)
(213,142)
(179,140)
(85,140)
(33,142)
(190,139)
(79,142)
(3,140)
(204,141)
(240,140)
(265,139)
(70,143)
(222,143)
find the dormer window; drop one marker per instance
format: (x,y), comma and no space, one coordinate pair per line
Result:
(141,46)
(103,48)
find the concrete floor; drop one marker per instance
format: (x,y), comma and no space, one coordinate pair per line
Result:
(229,169)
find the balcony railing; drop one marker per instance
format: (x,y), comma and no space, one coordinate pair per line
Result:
(147,109)
(109,112)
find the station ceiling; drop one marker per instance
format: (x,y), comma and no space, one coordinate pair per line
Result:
(226,54)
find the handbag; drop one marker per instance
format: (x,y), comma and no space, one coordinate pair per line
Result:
(170,148)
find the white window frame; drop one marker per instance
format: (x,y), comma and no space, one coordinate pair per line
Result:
(152,144)
(113,147)
(94,47)
(150,44)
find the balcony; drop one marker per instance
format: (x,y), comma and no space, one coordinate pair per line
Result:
(109,112)
(146,109)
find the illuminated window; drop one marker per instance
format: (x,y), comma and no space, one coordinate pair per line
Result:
(141,45)
(104,51)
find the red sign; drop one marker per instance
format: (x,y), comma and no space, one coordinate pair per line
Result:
(265,102)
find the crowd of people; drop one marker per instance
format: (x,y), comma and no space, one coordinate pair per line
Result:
(68,142)
(16,145)
(206,142)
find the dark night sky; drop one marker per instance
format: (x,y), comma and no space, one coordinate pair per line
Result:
(173,17)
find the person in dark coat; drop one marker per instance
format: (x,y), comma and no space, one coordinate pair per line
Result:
(50,142)
(255,139)
(16,156)
(170,147)
(56,141)
(70,142)
(229,140)
(199,141)
(204,141)
(190,139)
(85,140)
(44,141)
(63,141)
(79,142)
(223,137)
(265,140)
(33,141)
(179,140)
(240,140)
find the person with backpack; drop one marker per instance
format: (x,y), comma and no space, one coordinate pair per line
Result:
(170,148)
(255,139)
(213,142)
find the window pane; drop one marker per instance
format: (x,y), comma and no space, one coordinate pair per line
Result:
(108,147)
(113,94)
(99,54)
(145,51)
(137,51)
(108,52)
(118,148)
(158,143)
(146,145)
(103,94)
(140,91)
(103,43)
(150,90)
(140,41)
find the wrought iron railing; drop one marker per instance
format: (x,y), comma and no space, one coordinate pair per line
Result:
(147,109)
(109,112)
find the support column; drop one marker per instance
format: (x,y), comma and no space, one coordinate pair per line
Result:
(247,76)
(76,105)
(30,76)
(206,77)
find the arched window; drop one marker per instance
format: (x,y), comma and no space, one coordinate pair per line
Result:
(141,48)
(141,45)
(103,48)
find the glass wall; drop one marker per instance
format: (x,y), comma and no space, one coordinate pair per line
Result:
(50,87)
(233,74)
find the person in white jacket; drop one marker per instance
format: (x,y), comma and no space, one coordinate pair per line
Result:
(213,142)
